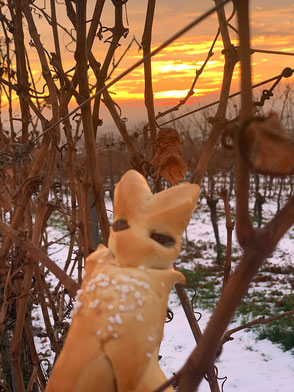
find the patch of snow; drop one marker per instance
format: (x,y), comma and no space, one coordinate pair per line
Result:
(249,364)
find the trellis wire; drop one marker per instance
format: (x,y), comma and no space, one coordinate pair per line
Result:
(166,43)
(136,65)
(276,78)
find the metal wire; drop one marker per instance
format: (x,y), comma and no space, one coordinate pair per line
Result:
(15,157)
(137,64)
(20,152)
(276,78)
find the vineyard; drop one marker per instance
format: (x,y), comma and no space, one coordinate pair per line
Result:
(59,171)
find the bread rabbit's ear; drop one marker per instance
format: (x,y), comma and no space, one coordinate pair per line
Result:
(173,207)
(130,195)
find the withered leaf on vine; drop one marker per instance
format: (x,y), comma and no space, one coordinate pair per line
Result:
(168,161)
(271,150)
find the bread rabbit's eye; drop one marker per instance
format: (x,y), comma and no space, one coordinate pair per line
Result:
(163,239)
(120,225)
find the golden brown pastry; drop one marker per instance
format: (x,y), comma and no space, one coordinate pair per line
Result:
(166,213)
(118,318)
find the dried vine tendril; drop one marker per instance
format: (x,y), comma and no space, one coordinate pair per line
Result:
(15,154)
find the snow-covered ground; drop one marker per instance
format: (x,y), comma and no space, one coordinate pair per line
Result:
(249,364)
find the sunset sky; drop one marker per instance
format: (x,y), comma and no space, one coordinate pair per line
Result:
(272,27)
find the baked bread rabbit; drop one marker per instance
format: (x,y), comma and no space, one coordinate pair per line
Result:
(118,318)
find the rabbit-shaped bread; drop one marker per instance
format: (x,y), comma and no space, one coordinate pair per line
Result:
(118,319)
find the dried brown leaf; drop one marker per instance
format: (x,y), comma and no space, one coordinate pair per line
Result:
(168,161)
(272,151)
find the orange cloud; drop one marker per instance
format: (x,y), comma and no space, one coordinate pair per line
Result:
(175,67)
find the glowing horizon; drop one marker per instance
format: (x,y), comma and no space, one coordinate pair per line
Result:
(175,67)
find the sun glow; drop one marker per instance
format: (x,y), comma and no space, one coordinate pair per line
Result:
(171,66)
(181,93)
(176,66)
